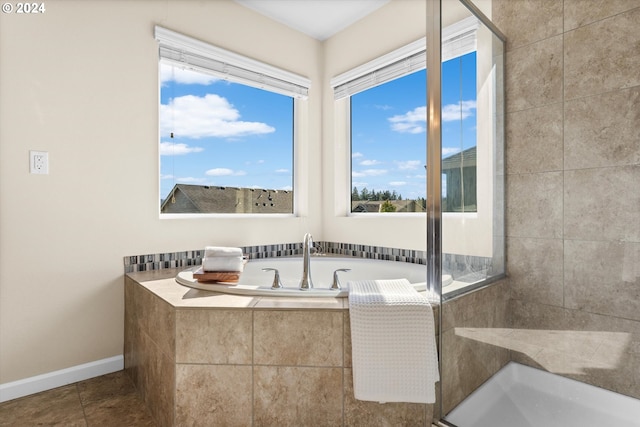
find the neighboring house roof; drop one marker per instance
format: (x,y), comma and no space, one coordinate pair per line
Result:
(374,206)
(467,158)
(186,198)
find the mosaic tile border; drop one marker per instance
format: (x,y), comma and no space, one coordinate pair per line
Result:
(150,262)
(460,265)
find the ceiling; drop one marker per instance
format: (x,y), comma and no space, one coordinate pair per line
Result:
(319,19)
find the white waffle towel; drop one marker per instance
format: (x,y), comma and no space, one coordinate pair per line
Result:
(393,342)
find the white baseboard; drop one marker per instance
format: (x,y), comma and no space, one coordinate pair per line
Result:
(48,381)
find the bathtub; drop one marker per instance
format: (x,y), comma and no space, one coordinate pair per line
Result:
(522,396)
(255,281)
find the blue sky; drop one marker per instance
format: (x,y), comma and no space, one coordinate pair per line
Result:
(227,134)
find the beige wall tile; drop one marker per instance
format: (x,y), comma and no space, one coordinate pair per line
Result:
(534,203)
(536,269)
(535,140)
(600,277)
(297,396)
(603,130)
(527,21)
(157,375)
(347,341)
(582,12)
(214,336)
(365,413)
(602,56)
(602,204)
(466,364)
(597,349)
(212,395)
(534,75)
(157,319)
(310,338)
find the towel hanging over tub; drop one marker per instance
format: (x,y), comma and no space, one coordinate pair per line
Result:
(393,342)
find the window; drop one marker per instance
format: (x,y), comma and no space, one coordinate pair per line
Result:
(459,142)
(388,126)
(388,150)
(226,130)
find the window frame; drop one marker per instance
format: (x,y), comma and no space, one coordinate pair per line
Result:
(457,40)
(184,51)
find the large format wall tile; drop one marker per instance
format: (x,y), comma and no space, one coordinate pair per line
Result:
(309,338)
(602,277)
(582,12)
(597,349)
(536,269)
(527,21)
(535,140)
(534,75)
(214,336)
(365,413)
(297,396)
(602,204)
(535,205)
(157,319)
(603,130)
(602,56)
(211,395)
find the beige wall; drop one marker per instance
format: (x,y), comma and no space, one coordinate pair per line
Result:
(364,41)
(573,199)
(80,81)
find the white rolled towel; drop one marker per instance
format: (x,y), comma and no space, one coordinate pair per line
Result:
(221,251)
(218,258)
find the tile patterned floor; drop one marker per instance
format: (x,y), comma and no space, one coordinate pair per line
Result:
(106,401)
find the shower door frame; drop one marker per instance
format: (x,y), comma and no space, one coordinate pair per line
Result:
(434,158)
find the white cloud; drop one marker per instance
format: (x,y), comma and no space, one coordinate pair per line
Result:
(369,162)
(415,121)
(356,155)
(411,122)
(397,183)
(171,149)
(409,164)
(460,111)
(195,117)
(282,171)
(224,172)
(181,75)
(369,172)
(189,180)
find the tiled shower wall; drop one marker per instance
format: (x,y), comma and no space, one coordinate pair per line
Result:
(573,186)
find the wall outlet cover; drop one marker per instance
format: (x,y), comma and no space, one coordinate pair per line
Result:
(39,162)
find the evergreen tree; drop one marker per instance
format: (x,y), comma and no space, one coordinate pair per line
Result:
(387,206)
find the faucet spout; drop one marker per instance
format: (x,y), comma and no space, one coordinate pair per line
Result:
(307,244)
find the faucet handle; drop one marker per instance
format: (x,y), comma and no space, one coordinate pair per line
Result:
(277,284)
(336,281)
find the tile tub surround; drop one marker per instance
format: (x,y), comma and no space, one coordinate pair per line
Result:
(199,357)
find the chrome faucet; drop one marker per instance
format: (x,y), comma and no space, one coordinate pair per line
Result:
(306,283)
